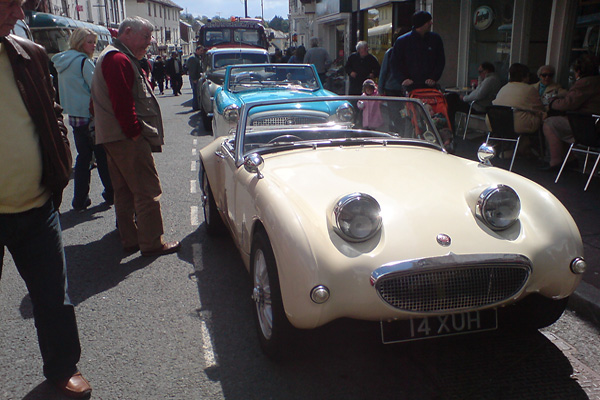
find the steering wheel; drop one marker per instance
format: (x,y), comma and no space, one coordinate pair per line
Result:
(284,139)
(429,136)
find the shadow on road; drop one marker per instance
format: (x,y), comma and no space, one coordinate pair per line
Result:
(345,359)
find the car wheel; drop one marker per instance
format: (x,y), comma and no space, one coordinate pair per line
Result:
(212,219)
(272,325)
(532,313)
(206,121)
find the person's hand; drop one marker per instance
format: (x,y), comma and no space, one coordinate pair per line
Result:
(353,74)
(407,82)
(430,82)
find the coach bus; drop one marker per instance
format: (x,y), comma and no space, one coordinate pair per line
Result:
(53,31)
(239,32)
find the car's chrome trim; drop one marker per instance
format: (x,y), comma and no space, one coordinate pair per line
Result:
(452,283)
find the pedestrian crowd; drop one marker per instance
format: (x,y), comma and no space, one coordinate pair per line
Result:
(117,126)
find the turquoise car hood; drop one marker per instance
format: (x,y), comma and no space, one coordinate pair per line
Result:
(226,98)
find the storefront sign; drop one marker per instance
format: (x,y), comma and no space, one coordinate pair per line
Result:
(483,18)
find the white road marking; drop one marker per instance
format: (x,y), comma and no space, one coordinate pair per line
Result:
(194,216)
(208,352)
(193,186)
(193,167)
(194,151)
(195,142)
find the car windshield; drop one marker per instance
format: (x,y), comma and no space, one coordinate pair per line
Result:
(350,120)
(222,60)
(278,76)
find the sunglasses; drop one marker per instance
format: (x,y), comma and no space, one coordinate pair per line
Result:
(546,75)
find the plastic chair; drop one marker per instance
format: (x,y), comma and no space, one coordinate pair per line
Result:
(474,114)
(586,140)
(502,122)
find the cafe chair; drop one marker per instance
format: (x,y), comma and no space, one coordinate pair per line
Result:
(586,139)
(502,123)
(472,114)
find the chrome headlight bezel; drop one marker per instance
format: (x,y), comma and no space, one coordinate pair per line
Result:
(498,207)
(231,113)
(357,217)
(345,112)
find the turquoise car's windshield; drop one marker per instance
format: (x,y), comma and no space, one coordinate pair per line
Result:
(282,125)
(279,76)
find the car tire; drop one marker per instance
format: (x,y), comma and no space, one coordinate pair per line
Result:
(212,219)
(532,313)
(206,121)
(273,328)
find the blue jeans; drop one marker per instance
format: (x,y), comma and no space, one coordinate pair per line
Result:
(85,148)
(34,240)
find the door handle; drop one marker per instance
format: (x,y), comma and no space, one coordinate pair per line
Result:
(219,154)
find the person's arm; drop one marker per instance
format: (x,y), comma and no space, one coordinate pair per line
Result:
(383,73)
(573,99)
(440,59)
(120,77)
(349,69)
(398,67)
(480,93)
(88,71)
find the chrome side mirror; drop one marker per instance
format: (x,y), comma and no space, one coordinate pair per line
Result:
(253,163)
(486,153)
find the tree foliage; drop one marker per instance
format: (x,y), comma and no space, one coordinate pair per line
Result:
(280,24)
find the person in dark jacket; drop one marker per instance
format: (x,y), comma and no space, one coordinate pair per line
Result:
(194,66)
(418,59)
(158,73)
(361,66)
(174,69)
(35,166)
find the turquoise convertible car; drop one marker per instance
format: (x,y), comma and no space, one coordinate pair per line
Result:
(266,82)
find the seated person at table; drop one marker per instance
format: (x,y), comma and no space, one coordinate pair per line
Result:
(517,93)
(488,86)
(583,97)
(546,86)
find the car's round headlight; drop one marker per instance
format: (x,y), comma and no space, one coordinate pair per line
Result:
(231,113)
(499,207)
(357,217)
(345,112)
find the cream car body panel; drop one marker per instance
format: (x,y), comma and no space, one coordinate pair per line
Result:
(423,192)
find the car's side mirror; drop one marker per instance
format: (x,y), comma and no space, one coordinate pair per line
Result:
(253,163)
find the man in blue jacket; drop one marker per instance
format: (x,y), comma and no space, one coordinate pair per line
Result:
(418,59)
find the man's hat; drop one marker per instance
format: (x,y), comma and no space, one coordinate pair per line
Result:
(420,18)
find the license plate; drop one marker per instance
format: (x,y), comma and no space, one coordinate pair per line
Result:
(437,326)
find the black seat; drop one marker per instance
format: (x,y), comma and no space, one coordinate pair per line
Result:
(586,139)
(502,124)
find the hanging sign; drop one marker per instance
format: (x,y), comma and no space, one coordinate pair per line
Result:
(483,18)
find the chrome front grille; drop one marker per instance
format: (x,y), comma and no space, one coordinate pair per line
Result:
(452,289)
(288,120)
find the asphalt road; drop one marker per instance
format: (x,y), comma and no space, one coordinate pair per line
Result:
(180,326)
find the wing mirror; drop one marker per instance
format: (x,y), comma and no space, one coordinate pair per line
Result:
(253,163)
(485,153)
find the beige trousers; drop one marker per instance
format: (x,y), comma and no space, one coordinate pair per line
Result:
(137,193)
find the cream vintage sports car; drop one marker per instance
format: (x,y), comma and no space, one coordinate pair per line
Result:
(333,221)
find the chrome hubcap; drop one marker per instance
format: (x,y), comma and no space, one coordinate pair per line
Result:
(261,294)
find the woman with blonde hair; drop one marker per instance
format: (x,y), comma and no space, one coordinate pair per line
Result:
(75,70)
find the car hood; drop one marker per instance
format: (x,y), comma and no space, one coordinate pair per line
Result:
(422,193)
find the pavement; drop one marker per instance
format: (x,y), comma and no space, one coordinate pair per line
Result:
(584,206)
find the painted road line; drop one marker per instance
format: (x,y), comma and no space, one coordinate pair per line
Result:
(194,216)
(193,186)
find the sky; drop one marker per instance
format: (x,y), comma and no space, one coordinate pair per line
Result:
(227,8)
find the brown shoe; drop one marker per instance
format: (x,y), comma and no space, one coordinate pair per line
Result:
(166,248)
(75,387)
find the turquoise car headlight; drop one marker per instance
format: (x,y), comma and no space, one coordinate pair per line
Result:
(357,217)
(345,113)
(231,113)
(498,207)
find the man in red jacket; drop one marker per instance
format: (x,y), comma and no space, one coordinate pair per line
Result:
(35,165)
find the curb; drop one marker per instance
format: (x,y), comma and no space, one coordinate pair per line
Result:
(586,302)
